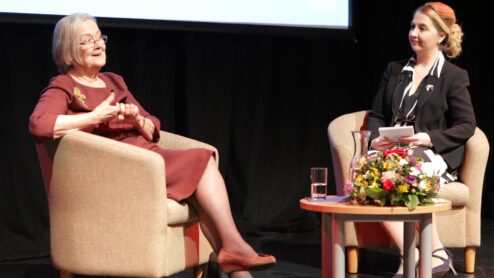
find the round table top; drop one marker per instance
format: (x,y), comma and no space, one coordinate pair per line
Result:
(339,205)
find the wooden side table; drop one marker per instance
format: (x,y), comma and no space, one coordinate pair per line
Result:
(335,210)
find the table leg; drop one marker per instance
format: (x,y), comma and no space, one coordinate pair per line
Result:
(338,248)
(326,238)
(426,246)
(332,247)
(409,250)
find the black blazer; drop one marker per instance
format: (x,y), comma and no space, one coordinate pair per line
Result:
(444,110)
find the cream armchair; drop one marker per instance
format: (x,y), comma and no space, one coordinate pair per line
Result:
(459,227)
(109,214)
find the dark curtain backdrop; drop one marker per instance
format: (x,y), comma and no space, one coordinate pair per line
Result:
(263,99)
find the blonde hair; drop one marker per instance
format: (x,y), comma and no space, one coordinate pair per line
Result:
(444,19)
(65,45)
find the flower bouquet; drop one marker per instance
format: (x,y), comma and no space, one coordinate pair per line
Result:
(392,177)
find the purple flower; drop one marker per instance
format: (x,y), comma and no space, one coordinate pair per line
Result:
(410,179)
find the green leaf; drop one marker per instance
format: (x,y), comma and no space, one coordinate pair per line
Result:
(412,202)
(375,193)
(378,194)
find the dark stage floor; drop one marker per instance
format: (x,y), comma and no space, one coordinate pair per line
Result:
(299,256)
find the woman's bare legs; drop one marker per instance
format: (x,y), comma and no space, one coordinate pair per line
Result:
(437,244)
(395,231)
(213,207)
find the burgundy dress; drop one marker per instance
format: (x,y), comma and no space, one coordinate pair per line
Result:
(65,96)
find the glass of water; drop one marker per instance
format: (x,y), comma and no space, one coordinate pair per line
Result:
(319,182)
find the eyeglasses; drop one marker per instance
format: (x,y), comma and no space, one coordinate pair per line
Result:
(90,41)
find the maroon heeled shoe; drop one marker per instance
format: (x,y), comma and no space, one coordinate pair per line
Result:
(230,262)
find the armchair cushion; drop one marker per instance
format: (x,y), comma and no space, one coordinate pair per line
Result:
(179,213)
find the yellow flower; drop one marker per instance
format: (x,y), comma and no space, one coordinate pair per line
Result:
(387,165)
(365,184)
(430,186)
(375,184)
(375,172)
(402,188)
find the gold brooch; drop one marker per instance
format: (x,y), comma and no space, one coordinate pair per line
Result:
(78,94)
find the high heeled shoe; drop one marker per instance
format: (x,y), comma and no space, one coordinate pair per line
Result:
(230,262)
(443,269)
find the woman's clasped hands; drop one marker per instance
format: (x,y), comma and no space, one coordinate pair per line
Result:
(126,112)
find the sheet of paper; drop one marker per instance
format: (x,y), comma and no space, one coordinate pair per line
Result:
(396,132)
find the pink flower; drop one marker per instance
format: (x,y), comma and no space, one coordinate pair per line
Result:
(388,175)
(388,184)
(347,188)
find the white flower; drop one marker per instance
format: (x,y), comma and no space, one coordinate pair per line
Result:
(428,169)
(423,185)
(429,88)
(414,171)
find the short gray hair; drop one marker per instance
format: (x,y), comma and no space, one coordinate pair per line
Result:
(65,45)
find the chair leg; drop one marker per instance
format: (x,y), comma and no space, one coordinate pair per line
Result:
(470,259)
(352,255)
(65,274)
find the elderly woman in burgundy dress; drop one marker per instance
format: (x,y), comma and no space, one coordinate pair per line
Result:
(84,98)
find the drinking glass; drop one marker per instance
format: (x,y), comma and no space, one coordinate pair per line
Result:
(319,182)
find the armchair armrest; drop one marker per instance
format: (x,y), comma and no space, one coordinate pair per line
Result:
(472,175)
(177,142)
(473,170)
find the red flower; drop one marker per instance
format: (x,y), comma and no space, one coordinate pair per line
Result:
(400,152)
(388,184)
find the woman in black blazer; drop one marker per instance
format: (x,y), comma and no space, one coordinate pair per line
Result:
(430,93)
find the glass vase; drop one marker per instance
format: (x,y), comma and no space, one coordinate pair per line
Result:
(360,143)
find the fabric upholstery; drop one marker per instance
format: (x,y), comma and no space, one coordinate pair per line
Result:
(456,192)
(459,227)
(109,214)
